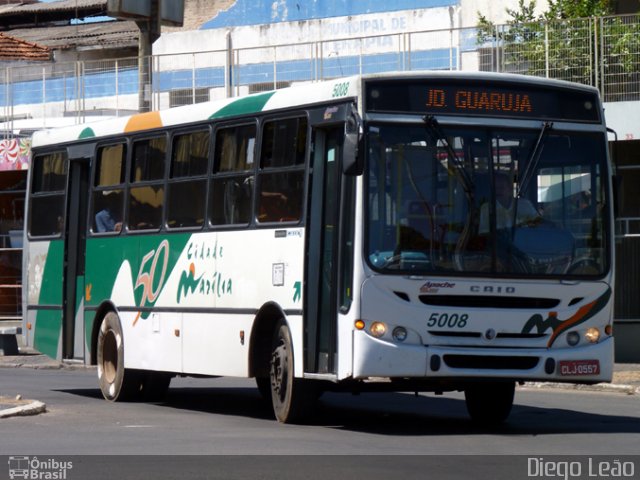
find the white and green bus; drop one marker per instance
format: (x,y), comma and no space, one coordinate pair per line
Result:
(432,232)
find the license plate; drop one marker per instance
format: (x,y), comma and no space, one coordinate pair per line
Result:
(579,367)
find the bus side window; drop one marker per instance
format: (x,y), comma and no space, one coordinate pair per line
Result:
(47,194)
(146,194)
(232,181)
(108,192)
(281,178)
(187,186)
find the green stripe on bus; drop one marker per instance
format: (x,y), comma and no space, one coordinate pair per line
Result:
(105,257)
(252,104)
(48,324)
(51,291)
(79,292)
(48,328)
(87,133)
(89,316)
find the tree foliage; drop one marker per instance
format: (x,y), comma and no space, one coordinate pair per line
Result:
(566,9)
(556,10)
(563,42)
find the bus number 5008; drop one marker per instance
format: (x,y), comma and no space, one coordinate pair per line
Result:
(452,320)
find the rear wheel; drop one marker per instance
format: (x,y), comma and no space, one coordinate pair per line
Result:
(292,398)
(116,382)
(490,403)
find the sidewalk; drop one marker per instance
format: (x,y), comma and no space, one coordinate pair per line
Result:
(28,358)
(626,380)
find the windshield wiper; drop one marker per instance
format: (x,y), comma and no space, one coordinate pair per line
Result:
(434,128)
(532,161)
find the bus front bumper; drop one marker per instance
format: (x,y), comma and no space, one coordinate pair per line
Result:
(583,364)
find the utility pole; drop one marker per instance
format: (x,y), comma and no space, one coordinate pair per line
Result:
(149,33)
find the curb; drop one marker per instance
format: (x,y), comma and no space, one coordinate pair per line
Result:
(598,387)
(45,366)
(33,408)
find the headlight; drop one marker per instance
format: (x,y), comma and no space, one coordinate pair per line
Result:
(573,338)
(378,329)
(592,335)
(399,334)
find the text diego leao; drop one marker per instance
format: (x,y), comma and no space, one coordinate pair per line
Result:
(540,467)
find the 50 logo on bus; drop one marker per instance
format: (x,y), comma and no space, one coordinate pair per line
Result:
(151,276)
(443,320)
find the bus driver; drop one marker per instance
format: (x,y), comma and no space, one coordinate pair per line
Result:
(526,212)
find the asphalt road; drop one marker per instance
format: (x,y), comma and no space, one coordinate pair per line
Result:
(367,436)
(227,416)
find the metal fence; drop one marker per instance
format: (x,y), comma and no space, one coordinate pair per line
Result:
(555,49)
(603,52)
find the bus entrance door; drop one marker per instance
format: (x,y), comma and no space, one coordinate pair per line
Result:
(321,302)
(74,252)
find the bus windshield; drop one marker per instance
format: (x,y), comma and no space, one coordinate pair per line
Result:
(457,200)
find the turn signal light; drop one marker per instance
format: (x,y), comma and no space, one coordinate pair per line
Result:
(359,324)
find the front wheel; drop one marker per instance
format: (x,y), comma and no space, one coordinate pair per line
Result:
(490,403)
(292,398)
(116,382)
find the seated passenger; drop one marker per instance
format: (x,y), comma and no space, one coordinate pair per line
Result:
(106,219)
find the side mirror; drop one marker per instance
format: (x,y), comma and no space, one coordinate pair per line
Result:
(616,180)
(352,163)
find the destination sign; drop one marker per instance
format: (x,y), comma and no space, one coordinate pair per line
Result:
(482,98)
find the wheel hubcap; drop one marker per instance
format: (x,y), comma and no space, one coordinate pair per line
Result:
(279,371)
(110,357)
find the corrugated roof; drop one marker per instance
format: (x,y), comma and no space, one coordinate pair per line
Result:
(51,7)
(54,13)
(7,8)
(111,34)
(12,48)
(11,4)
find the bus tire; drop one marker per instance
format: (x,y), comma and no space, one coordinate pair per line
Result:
(116,382)
(489,404)
(264,387)
(292,398)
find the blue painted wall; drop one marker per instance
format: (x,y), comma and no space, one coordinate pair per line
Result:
(260,12)
(249,12)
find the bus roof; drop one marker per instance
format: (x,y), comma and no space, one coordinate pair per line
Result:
(290,97)
(299,95)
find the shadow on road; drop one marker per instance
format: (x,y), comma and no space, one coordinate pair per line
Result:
(394,413)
